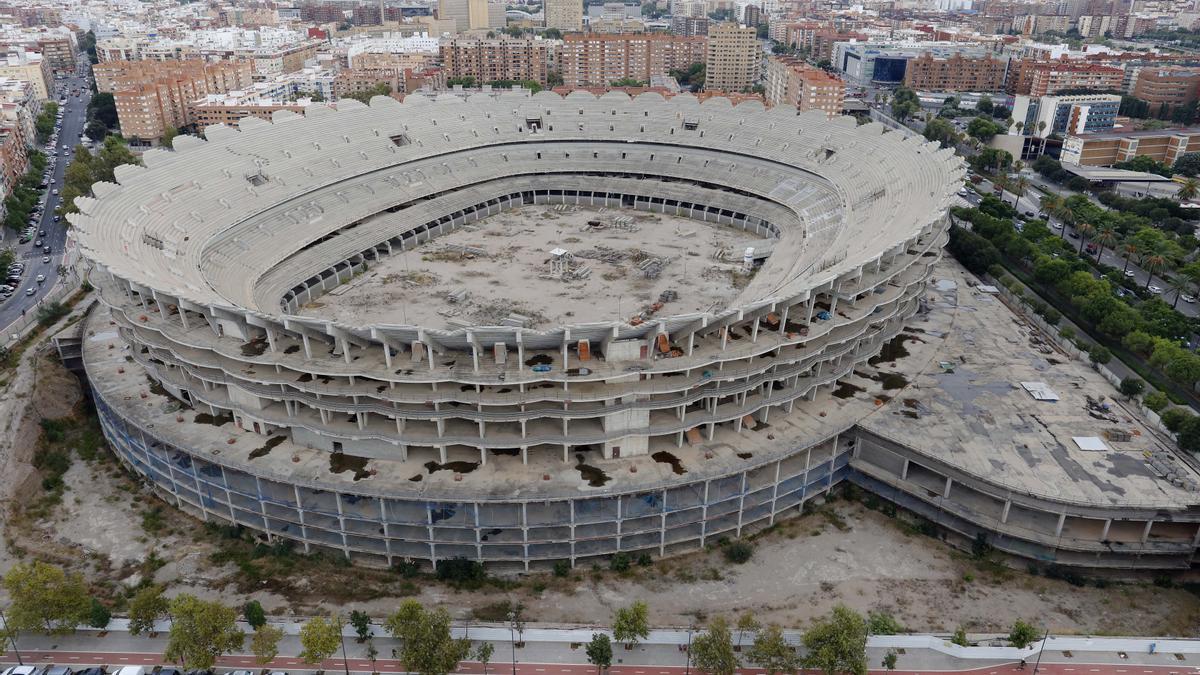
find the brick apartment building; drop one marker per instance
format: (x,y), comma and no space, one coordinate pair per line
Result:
(151,96)
(792,82)
(1041,78)
(734,57)
(1170,87)
(229,109)
(491,59)
(401,80)
(689,26)
(955,73)
(588,60)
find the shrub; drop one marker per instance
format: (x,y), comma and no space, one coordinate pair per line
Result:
(1173,418)
(562,568)
(645,560)
(997,271)
(1051,315)
(460,571)
(739,552)
(1099,354)
(1132,386)
(99,616)
(1067,333)
(619,562)
(1156,401)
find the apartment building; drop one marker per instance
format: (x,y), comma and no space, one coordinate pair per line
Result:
(955,73)
(734,59)
(565,15)
(21,64)
(1106,149)
(590,60)
(1172,87)
(151,96)
(792,82)
(14,160)
(689,26)
(468,14)
(19,108)
(271,62)
(1038,78)
(230,108)
(491,59)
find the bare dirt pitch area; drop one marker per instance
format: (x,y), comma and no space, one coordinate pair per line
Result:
(114,531)
(611,263)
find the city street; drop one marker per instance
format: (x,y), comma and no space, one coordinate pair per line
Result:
(17,305)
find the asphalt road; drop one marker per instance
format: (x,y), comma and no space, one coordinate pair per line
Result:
(19,304)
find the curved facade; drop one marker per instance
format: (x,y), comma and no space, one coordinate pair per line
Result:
(204,256)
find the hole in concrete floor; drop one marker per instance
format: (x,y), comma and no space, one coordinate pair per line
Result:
(417,478)
(594,477)
(506,452)
(664,457)
(846,390)
(205,418)
(745,455)
(539,360)
(340,462)
(265,448)
(456,467)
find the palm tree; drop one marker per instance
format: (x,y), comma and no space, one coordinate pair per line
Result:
(1022,183)
(1179,284)
(1085,232)
(1130,249)
(1188,189)
(1106,237)
(1041,126)
(1152,262)
(1019,126)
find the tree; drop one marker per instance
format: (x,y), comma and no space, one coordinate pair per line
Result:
(168,137)
(320,638)
(362,625)
(712,651)
(99,615)
(631,623)
(838,643)
(889,659)
(146,607)
(381,89)
(905,103)
(483,654)
(516,619)
(1023,634)
(1188,189)
(772,653)
(254,614)
(746,623)
(46,598)
(200,632)
(103,109)
(599,651)
(426,647)
(1106,237)
(983,129)
(984,106)
(960,637)
(264,643)
(1098,354)
(1132,387)
(1188,165)
(942,132)
(627,82)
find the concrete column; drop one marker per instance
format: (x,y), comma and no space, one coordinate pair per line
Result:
(1146,532)
(1108,523)
(946,491)
(1062,518)
(904,476)
(1004,513)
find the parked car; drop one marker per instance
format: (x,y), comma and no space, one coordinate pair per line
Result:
(1154,289)
(45,259)
(90,671)
(1188,298)
(59,670)
(1129,274)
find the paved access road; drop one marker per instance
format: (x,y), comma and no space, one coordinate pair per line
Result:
(74,119)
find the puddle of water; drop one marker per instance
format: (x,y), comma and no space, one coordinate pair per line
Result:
(506,452)
(340,461)
(539,360)
(893,349)
(893,381)
(663,457)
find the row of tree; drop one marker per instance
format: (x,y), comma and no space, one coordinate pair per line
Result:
(86,169)
(43,125)
(21,201)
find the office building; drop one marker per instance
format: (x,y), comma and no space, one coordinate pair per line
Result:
(1042,116)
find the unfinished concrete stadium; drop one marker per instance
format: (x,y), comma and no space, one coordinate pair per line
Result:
(524,329)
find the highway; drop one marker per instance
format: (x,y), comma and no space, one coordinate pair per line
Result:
(19,304)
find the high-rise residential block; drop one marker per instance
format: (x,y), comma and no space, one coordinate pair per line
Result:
(955,73)
(565,15)
(734,60)
(792,82)
(490,59)
(590,60)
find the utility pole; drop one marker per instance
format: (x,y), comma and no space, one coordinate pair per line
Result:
(12,638)
(342,636)
(1041,651)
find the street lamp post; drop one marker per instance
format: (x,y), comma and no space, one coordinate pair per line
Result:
(12,638)
(687,668)
(342,636)
(512,640)
(1041,650)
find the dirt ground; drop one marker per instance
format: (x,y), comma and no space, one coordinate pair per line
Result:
(111,529)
